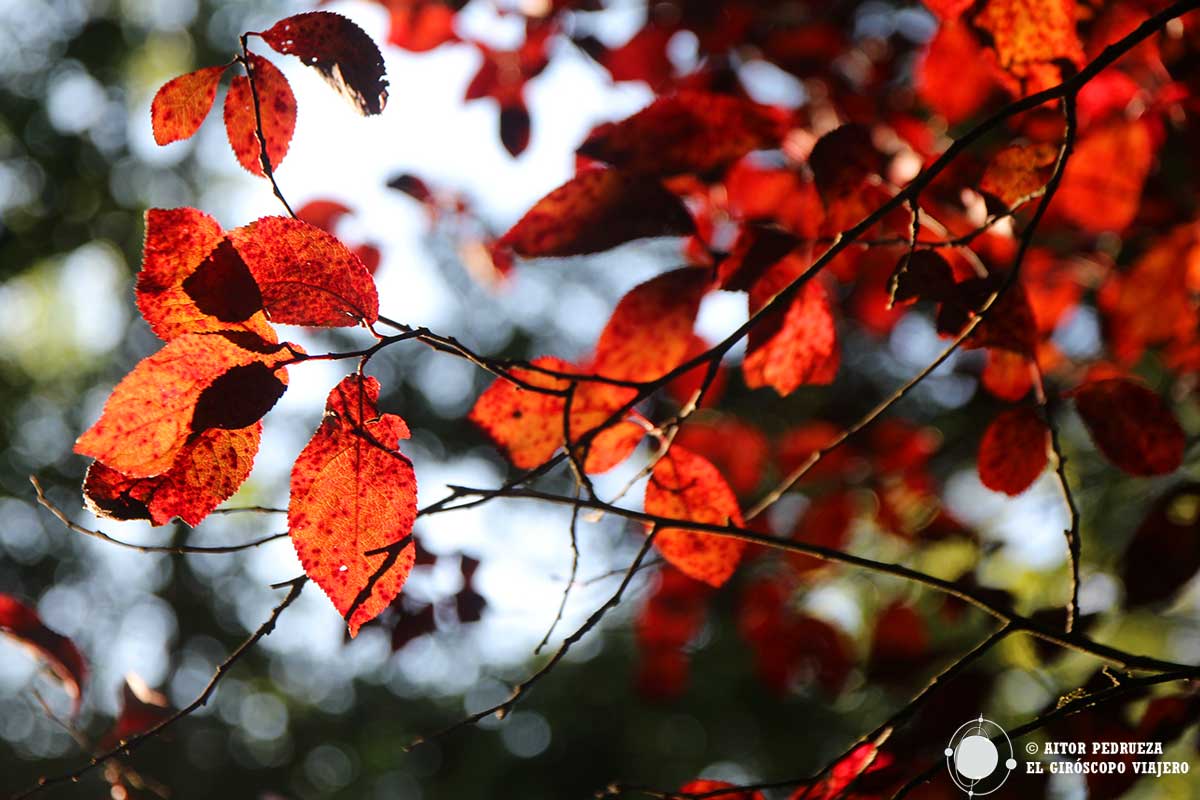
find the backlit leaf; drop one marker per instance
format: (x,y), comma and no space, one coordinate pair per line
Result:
(1131,425)
(177,392)
(277,106)
(353,491)
(953,77)
(23,625)
(797,346)
(1013,451)
(686,486)
(1019,173)
(338,49)
(698,787)
(1030,35)
(597,210)
(306,276)
(1096,196)
(182,103)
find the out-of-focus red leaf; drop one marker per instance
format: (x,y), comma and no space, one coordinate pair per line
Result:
(421,25)
(1029,36)
(690,131)
(1094,195)
(1013,451)
(825,523)
(353,491)
(1131,425)
(206,473)
(674,612)
(1164,553)
(795,447)
(24,626)
(740,451)
(756,250)
(780,195)
(663,674)
(339,50)
(182,390)
(412,625)
(515,128)
(325,214)
(865,758)
(643,57)
(700,786)
(277,107)
(597,210)
(686,385)
(650,330)
(899,644)
(798,346)
(193,281)
(1009,324)
(306,276)
(686,486)
(922,275)
(948,9)
(1007,375)
(1019,173)
(953,77)
(141,709)
(182,103)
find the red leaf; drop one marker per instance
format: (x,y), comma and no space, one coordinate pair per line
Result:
(899,644)
(1131,425)
(528,425)
(1164,554)
(141,709)
(756,250)
(597,210)
(193,281)
(421,25)
(1030,36)
(515,128)
(206,473)
(953,77)
(194,382)
(22,623)
(353,491)
(801,348)
(1093,194)
(306,276)
(738,450)
(686,385)
(701,786)
(1013,451)
(1019,173)
(324,214)
(338,49)
(685,486)
(690,131)
(277,106)
(182,103)
(650,330)
(1007,375)
(826,523)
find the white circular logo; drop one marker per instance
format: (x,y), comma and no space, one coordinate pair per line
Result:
(973,757)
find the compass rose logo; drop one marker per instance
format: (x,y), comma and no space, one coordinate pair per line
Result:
(973,757)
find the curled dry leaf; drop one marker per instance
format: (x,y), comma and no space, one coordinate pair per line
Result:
(193,281)
(597,210)
(338,49)
(690,131)
(1013,451)
(277,107)
(195,382)
(306,276)
(181,104)
(207,472)
(1131,425)
(23,625)
(686,486)
(352,492)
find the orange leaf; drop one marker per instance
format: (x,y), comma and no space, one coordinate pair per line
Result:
(277,106)
(739,450)
(193,281)
(306,276)
(794,347)
(650,330)
(1030,35)
(195,382)
(1007,375)
(1096,196)
(952,77)
(690,131)
(1019,173)
(686,486)
(1131,425)
(353,491)
(341,51)
(206,473)
(22,623)
(597,210)
(182,103)
(1013,451)
(421,25)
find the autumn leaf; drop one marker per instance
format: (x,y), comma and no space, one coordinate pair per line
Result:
(700,786)
(650,330)
(952,76)
(515,127)
(739,450)
(757,249)
(900,646)
(277,107)
(354,492)
(689,131)
(181,104)
(686,486)
(338,49)
(193,281)
(1164,553)
(1019,173)
(1013,451)
(597,210)
(1007,375)
(421,25)
(796,346)
(206,473)
(141,709)
(23,625)
(1094,195)
(195,382)
(1029,36)
(1131,425)
(306,276)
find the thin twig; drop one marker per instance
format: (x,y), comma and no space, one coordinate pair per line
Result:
(263,158)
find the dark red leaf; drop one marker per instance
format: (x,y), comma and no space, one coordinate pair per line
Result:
(1164,553)
(1013,452)
(1131,425)
(23,625)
